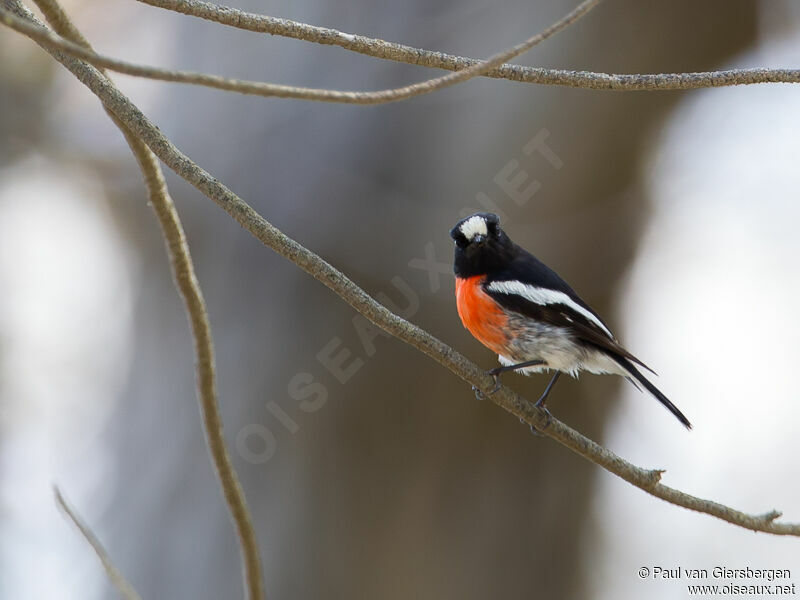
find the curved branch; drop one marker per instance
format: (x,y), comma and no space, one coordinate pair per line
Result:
(189,288)
(417,56)
(258,88)
(269,235)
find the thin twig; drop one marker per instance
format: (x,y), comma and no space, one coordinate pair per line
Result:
(418,56)
(114,575)
(249,219)
(189,288)
(258,88)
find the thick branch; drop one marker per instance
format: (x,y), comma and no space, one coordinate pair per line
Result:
(249,219)
(114,575)
(258,88)
(440,60)
(189,288)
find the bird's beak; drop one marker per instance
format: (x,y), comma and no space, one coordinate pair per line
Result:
(479,239)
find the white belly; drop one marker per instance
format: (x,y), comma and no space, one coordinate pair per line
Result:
(557,349)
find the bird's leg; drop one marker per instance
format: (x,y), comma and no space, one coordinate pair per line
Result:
(540,402)
(497,371)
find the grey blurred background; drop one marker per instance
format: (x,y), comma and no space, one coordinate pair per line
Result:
(396,482)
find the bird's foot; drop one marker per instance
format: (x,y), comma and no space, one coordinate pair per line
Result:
(495,374)
(547,414)
(534,431)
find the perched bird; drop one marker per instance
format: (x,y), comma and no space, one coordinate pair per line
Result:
(521,309)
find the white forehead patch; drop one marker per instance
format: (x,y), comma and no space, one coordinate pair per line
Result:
(473,226)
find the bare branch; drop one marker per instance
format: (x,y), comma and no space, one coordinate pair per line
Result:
(114,575)
(417,56)
(257,88)
(189,288)
(249,219)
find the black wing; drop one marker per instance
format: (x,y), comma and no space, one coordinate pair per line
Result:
(527,269)
(564,316)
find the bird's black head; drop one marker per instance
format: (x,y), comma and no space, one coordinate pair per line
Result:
(481,246)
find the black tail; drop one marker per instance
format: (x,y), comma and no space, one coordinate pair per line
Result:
(636,374)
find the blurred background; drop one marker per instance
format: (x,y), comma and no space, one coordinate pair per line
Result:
(672,213)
